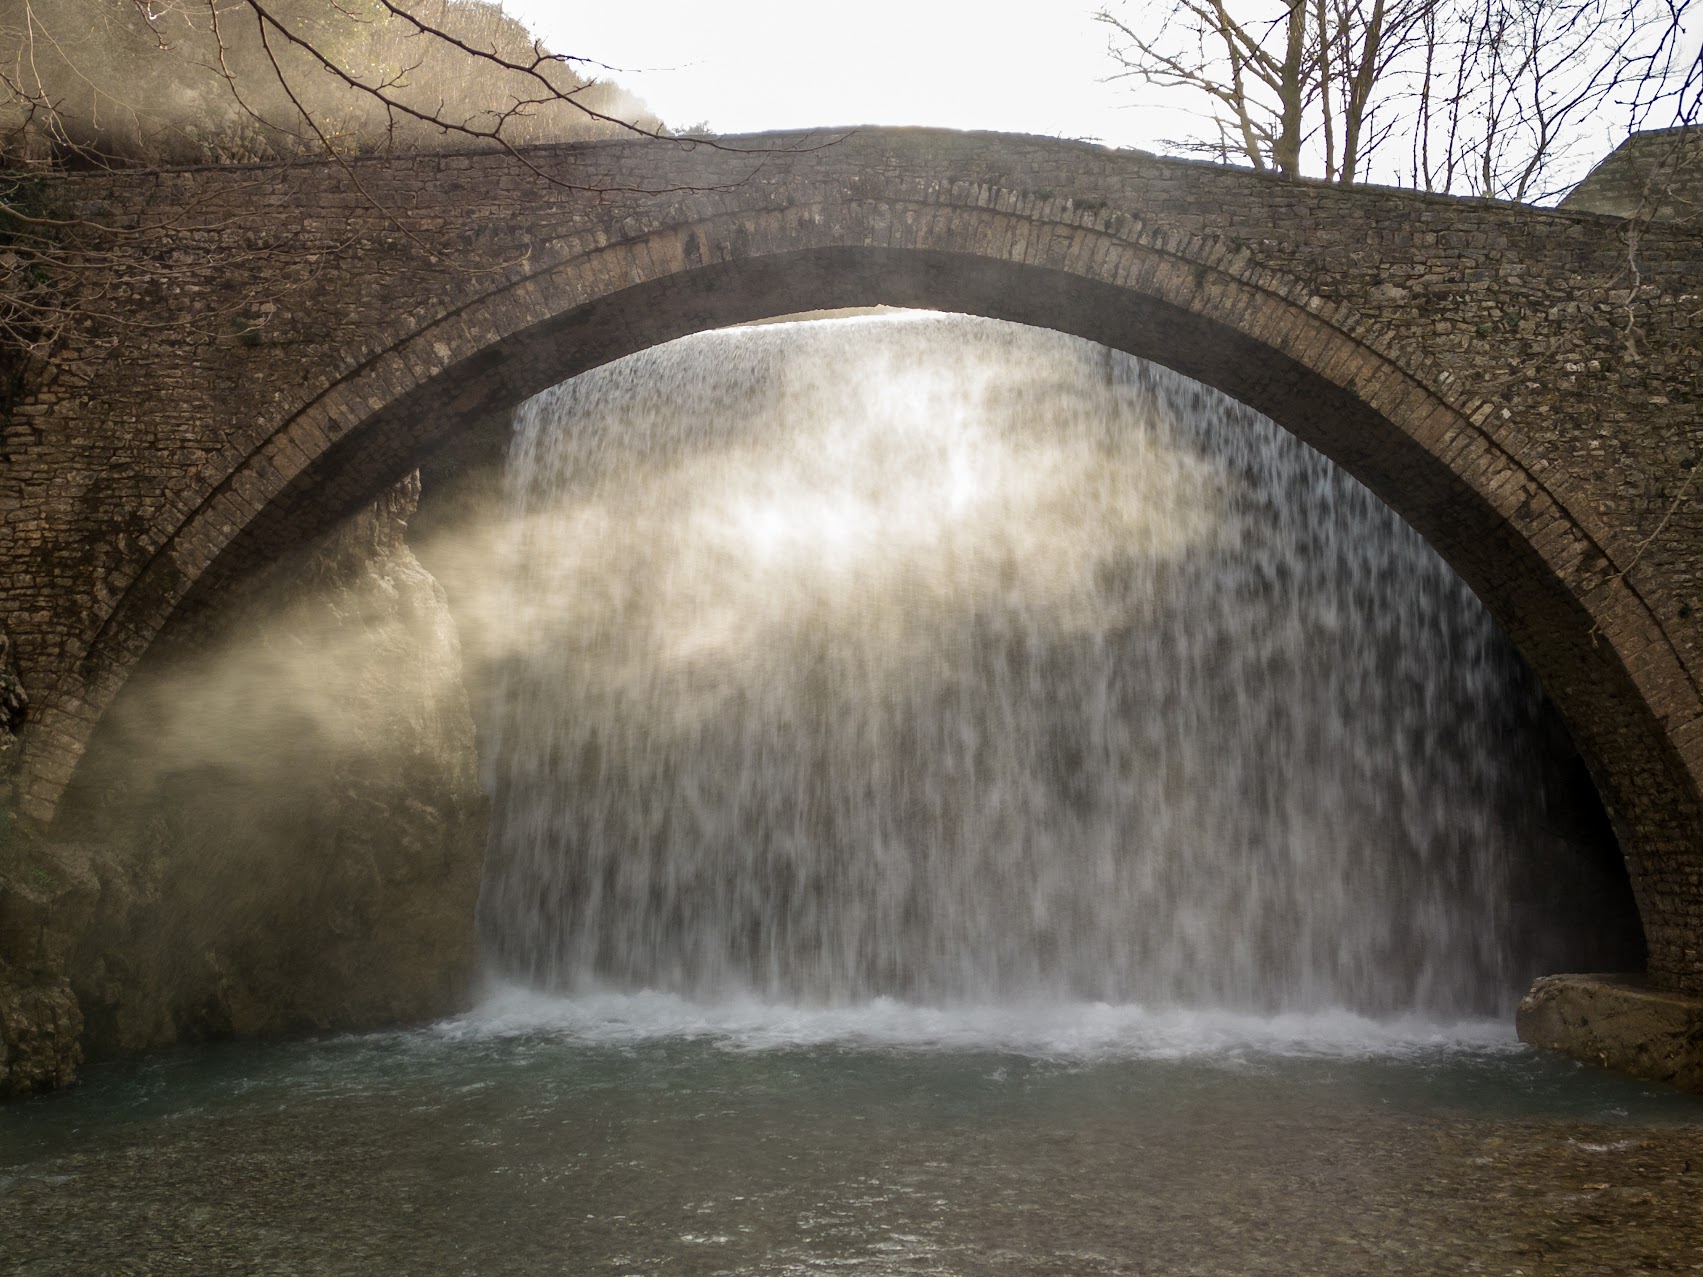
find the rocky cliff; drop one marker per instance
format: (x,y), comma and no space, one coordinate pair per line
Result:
(280,829)
(46,899)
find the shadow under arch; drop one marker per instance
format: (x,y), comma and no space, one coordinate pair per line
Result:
(1260,338)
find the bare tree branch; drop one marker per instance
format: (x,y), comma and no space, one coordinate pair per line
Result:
(1482,97)
(95,83)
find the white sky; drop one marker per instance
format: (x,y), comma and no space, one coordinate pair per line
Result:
(1035,67)
(1017,66)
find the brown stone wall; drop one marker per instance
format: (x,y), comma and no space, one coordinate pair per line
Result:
(1521,385)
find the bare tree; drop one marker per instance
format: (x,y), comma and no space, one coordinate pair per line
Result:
(1277,80)
(219,80)
(1522,76)
(101,82)
(1485,97)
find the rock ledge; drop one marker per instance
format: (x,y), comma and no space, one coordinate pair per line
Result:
(1619,1022)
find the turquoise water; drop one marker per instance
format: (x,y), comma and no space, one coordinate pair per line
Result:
(646,1134)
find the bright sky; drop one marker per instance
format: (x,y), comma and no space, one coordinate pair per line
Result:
(1017,66)
(750,65)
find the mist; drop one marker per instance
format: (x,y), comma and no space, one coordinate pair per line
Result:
(284,808)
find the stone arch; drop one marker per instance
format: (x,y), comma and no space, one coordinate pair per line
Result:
(1366,397)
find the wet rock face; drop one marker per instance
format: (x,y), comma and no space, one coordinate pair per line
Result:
(288,812)
(14,708)
(39,1028)
(47,896)
(1619,1022)
(13,701)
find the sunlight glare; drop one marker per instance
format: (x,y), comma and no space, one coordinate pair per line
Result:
(755,66)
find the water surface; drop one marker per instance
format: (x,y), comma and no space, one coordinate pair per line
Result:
(648,1134)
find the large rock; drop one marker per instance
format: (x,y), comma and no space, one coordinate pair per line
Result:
(289,810)
(47,897)
(14,706)
(40,1027)
(1619,1022)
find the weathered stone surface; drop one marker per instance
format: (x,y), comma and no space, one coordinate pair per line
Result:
(40,1028)
(1656,175)
(1521,385)
(14,704)
(47,898)
(1620,1022)
(291,824)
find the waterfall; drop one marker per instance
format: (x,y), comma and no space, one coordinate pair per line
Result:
(952,661)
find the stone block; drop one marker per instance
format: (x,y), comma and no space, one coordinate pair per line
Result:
(1619,1022)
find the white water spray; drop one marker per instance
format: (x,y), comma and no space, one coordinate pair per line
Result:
(953,662)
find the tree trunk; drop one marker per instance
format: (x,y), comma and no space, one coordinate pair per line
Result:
(1286,154)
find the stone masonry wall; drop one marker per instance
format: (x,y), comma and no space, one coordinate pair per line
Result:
(1521,385)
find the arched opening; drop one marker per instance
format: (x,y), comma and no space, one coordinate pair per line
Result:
(1518,548)
(190,622)
(389,358)
(949,660)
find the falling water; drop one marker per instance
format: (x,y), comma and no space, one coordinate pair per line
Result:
(954,662)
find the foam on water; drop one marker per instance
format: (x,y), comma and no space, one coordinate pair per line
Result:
(1087,1031)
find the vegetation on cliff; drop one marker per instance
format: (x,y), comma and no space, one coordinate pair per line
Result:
(217,81)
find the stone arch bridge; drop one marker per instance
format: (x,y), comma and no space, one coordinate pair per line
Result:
(285,342)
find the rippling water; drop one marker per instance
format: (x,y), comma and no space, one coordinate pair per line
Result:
(648,1134)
